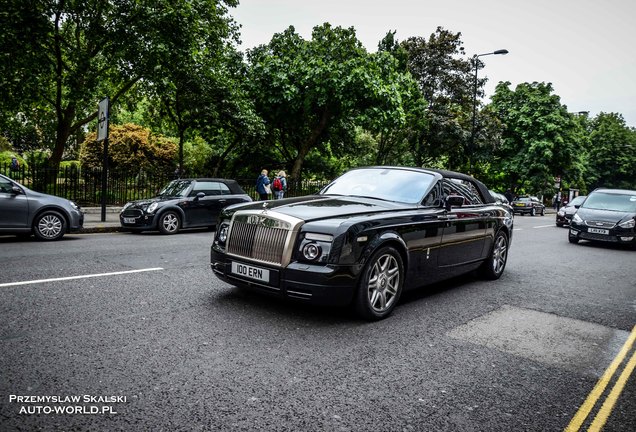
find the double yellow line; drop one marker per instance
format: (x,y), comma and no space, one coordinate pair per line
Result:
(606,409)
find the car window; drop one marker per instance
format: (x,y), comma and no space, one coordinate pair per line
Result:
(610,201)
(464,188)
(5,186)
(382,183)
(210,188)
(176,188)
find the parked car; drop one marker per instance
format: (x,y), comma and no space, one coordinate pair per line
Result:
(183,203)
(607,215)
(501,199)
(364,238)
(25,212)
(565,213)
(528,205)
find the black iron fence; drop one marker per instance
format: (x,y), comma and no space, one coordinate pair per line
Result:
(84,186)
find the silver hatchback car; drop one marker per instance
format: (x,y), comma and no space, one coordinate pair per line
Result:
(26,212)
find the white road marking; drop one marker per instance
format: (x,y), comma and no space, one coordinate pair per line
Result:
(37,281)
(545,226)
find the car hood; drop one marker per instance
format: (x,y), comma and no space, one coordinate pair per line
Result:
(316,207)
(146,202)
(604,215)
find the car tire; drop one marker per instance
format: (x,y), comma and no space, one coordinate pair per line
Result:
(494,266)
(169,222)
(543,212)
(560,225)
(380,285)
(573,239)
(49,226)
(533,212)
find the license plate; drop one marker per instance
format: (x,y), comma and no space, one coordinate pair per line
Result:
(129,220)
(598,231)
(251,272)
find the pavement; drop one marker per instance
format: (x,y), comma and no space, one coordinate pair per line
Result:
(93,219)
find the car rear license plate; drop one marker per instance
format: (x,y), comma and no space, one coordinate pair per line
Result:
(251,272)
(129,220)
(598,231)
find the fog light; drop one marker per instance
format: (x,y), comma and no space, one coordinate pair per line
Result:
(627,238)
(573,232)
(311,251)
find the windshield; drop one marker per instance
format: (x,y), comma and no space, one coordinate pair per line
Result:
(577,201)
(176,188)
(382,183)
(610,201)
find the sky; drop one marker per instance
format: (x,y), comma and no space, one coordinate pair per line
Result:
(585,48)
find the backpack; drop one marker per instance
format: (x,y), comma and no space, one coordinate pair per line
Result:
(277,185)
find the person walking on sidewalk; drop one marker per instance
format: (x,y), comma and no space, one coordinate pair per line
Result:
(262,186)
(279,185)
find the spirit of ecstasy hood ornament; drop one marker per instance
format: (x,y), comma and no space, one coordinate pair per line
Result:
(265,204)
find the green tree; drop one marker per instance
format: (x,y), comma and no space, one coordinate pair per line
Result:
(612,153)
(310,93)
(539,139)
(59,58)
(446,81)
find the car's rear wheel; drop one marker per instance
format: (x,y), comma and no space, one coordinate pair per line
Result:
(380,285)
(48,226)
(169,223)
(494,266)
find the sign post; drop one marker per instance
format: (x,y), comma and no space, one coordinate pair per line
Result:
(102,135)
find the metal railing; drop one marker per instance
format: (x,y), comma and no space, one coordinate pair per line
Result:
(84,185)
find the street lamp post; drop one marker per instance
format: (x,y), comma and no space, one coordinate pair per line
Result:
(472,132)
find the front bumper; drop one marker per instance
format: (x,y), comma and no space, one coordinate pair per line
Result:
(316,284)
(76,221)
(141,223)
(615,235)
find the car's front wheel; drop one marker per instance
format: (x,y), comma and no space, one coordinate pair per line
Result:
(533,212)
(50,225)
(380,285)
(494,266)
(573,239)
(542,211)
(169,223)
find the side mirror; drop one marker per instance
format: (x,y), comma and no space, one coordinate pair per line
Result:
(199,195)
(16,190)
(577,206)
(453,201)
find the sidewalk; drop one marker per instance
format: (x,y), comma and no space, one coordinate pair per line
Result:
(93,220)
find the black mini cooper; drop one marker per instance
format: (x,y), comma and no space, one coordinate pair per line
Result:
(183,203)
(364,238)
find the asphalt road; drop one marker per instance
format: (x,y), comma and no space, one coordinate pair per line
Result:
(153,341)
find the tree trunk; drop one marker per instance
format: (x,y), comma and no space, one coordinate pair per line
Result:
(310,143)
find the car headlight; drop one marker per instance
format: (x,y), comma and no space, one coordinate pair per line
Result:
(315,247)
(128,204)
(152,207)
(577,219)
(561,213)
(627,224)
(74,206)
(222,234)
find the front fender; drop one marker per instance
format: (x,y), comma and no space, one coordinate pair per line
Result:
(382,239)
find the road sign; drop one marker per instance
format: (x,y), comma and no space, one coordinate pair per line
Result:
(102,120)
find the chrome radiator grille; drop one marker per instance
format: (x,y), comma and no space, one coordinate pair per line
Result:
(257,242)
(262,236)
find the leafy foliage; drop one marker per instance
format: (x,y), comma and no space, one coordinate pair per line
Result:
(131,148)
(539,139)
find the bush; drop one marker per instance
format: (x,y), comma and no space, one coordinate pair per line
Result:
(131,148)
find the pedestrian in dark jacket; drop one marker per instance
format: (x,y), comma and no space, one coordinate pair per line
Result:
(262,186)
